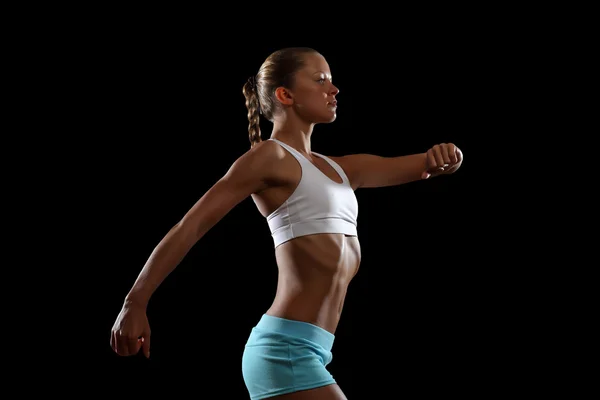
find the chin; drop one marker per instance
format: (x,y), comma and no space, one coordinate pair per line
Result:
(324,118)
(330,118)
(325,121)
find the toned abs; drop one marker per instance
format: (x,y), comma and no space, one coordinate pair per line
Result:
(314,274)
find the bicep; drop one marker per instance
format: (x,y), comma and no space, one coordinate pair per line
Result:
(372,171)
(358,167)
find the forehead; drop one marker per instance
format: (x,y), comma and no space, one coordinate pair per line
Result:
(315,63)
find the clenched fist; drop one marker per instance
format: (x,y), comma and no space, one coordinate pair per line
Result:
(131,331)
(444,158)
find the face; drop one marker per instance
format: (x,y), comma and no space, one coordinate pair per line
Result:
(313,95)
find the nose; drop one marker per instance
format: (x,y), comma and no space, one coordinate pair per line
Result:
(334,90)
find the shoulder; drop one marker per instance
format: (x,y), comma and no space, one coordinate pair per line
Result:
(268,150)
(346,162)
(259,161)
(264,152)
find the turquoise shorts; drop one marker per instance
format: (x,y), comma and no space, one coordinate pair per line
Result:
(284,356)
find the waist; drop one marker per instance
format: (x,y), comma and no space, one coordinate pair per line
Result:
(293,230)
(297,329)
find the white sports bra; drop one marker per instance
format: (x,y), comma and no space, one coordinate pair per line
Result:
(317,205)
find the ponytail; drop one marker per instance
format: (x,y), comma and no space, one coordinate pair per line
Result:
(252,104)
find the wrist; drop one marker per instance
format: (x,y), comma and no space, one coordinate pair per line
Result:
(136,299)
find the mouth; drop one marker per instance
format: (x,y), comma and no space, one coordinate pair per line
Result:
(332,104)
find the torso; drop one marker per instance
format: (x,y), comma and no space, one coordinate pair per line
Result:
(314,270)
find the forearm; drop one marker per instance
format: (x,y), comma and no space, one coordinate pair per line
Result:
(163,260)
(405,169)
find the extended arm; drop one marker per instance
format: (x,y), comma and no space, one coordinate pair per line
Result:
(369,171)
(246,176)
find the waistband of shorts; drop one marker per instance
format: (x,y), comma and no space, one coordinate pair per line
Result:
(299,329)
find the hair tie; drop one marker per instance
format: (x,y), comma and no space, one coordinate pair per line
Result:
(252,81)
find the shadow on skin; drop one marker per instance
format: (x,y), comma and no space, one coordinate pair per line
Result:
(329,392)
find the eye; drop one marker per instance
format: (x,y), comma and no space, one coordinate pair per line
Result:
(322,80)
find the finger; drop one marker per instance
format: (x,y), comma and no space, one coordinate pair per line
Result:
(113,341)
(120,349)
(133,345)
(122,344)
(452,153)
(425,175)
(146,345)
(435,171)
(452,168)
(437,151)
(446,154)
(431,162)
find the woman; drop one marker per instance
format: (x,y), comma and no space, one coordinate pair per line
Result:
(309,203)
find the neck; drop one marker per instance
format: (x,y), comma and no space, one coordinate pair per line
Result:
(294,133)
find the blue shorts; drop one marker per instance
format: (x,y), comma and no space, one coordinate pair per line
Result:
(284,356)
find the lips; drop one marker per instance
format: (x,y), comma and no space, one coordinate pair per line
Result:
(332,103)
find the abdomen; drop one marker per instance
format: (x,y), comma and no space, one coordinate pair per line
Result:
(314,274)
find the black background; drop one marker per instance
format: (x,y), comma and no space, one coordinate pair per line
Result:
(164,117)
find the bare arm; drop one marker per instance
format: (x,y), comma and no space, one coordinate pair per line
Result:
(246,176)
(370,171)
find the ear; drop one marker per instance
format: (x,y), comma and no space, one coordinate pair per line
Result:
(284,96)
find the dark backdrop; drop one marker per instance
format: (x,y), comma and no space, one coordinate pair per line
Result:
(168,119)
